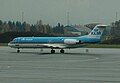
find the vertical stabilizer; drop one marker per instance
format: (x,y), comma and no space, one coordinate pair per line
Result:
(97,31)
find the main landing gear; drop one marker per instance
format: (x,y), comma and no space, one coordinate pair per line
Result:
(52,51)
(61,51)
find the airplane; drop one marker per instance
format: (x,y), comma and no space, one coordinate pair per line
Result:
(58,42)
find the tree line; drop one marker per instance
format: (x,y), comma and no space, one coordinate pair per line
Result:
(115,29)
(18,26)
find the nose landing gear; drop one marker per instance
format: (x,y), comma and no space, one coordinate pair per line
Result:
(18,50)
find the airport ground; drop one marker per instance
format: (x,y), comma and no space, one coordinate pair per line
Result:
(97,65)
(88,46)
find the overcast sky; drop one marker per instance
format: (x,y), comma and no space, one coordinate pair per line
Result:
(54,11)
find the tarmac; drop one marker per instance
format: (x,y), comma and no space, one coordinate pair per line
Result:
(81,65)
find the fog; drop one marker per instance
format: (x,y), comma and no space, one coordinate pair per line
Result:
(54,11)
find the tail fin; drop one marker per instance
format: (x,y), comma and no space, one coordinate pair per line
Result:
(97,31)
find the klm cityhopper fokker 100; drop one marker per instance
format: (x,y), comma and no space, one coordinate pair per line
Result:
(58,42)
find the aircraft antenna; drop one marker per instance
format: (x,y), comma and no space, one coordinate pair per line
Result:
(22,17)
(68,20)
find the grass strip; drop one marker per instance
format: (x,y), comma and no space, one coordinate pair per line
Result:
(101,46)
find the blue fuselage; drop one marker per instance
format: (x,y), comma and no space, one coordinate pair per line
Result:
(52,39)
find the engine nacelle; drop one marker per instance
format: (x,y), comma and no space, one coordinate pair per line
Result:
(72,41)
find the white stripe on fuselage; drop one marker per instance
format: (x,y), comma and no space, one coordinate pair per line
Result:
(59,46)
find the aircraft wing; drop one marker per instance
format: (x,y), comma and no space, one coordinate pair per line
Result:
(54,46)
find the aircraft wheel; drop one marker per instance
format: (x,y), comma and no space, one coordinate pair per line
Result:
(62,51)
(52,51)
(18,51)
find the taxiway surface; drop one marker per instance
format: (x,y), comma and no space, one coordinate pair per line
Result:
(75,66)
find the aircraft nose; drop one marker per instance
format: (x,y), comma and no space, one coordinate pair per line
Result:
(10,44)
